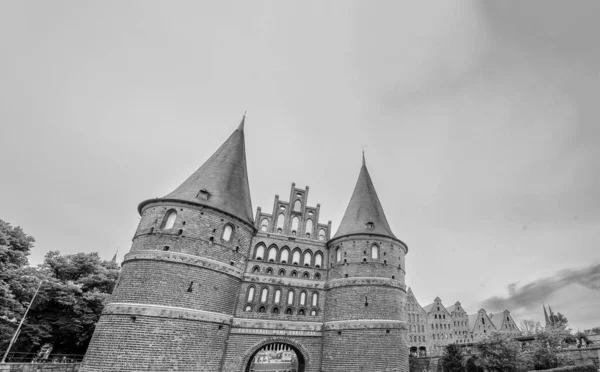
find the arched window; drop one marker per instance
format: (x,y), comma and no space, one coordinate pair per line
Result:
(313,313)
(338,255)
(285,256)
(294,274)
(315,299)
(321,234)
(248,308)
(280,222)
(318,260)
(295,223)
(269,271)
(317,276)
(227,231)
(307,258)
(260,252)
(250,296)
(288,311)
(255,270)
(297,206)
(374,252)
(309,228)
(264,225)
(262,309)
(290,298)
(272,254)
(169,220)
(263,295)
(277,297)
(275,310)
(302,298)
(296,258)
(301,312)
(282,272)
(306,275)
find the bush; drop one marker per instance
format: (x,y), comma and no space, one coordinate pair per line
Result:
(452,361)
(583,368)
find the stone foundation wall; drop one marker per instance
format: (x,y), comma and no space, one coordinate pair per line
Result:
(43,367)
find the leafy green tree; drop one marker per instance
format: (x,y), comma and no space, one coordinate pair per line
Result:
(68,304)
(453,359)
(545,352)
(17,280)
(499,352)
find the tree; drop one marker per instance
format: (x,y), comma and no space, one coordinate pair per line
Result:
(499,352)
(70,300)
(529,327)
(559,320)
(545,352)
(453,359)
(17,280)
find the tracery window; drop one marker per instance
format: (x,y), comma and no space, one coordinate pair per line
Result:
(272,254)
(250,296)
(307,258)
(285,256)
(260,252)
(318,260)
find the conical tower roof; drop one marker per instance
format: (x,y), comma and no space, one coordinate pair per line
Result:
(364,214)
(221,182)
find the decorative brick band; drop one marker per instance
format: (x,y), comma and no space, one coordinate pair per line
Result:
(159,311)
(186,259)
(371,281)
(279,280)
(285,325)
(339,325)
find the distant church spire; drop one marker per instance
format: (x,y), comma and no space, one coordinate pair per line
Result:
(114,259)
(546,316)
(221,182)
(364,214)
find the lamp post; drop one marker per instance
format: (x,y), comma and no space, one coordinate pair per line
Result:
(16,334)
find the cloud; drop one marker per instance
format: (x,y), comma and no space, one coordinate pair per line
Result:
(533,294)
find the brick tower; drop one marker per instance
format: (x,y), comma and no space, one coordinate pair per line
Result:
(364,327)
(173,305)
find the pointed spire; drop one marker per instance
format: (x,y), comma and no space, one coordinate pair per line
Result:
(364,214)
(241,126)
(114,259)
(221,182)
(546,316)
(551,315)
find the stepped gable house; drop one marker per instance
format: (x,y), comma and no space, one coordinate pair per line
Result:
(208,286)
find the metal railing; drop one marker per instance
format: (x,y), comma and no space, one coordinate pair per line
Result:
(17,357)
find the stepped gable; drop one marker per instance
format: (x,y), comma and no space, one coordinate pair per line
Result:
(364,214)
(221,182)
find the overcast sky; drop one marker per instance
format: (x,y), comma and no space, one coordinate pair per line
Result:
(480,121)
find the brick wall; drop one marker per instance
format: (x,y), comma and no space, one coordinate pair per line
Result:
(155,344)
(365,350)
(43,367)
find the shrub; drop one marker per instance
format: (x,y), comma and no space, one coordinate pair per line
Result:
(452,361)
(583,368)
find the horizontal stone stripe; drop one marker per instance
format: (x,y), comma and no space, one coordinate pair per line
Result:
(277,324)
(286,281)
(186,259)
(276,332)
(369,281)
(120,308)
(364,324)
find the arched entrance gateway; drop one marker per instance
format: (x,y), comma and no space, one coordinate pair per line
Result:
(276,357)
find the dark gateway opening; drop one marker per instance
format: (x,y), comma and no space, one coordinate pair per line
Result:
(276,357)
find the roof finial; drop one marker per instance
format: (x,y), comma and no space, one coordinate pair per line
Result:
(363,154)
(241,126)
